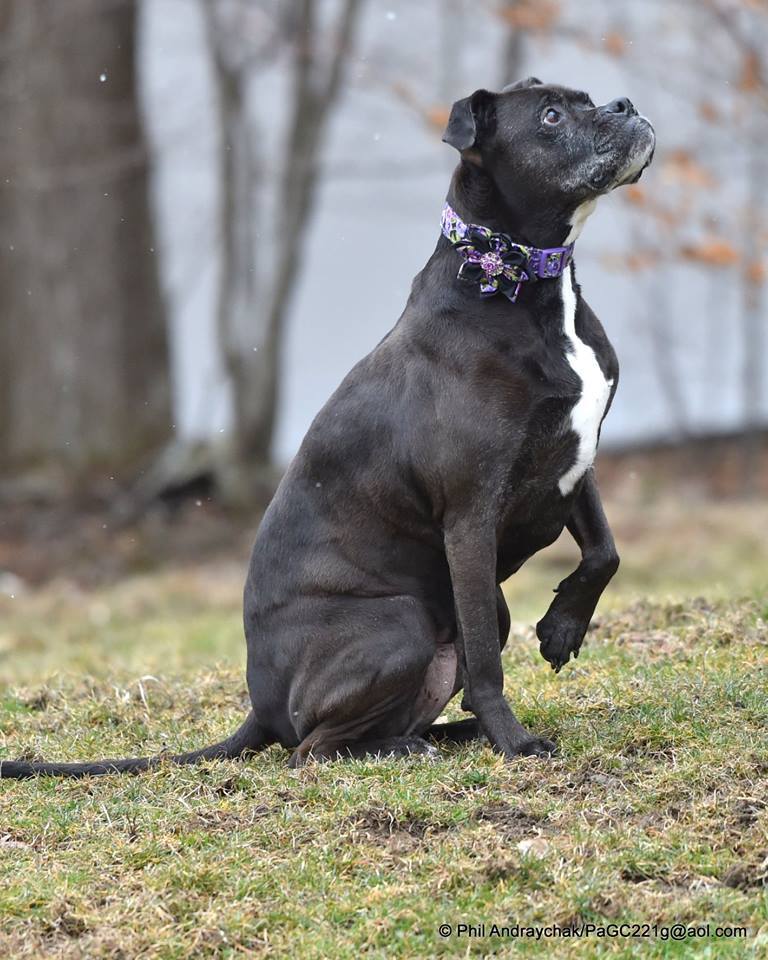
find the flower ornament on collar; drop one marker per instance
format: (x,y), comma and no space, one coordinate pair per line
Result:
(492,260)
(495,262)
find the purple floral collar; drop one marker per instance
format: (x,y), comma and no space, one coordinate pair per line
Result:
(495,262)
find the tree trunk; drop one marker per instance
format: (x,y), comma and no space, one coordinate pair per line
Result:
(513,54)
(753,312)
(251,315)
(82,321)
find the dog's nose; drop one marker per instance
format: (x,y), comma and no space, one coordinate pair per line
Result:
(620,105)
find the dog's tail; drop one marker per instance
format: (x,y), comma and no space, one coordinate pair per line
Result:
(250,737)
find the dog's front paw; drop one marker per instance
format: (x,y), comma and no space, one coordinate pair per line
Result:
(560,635)
(538,747)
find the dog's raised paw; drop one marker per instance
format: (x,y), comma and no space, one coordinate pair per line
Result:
(559,637)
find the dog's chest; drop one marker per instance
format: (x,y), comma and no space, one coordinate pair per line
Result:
(588,411)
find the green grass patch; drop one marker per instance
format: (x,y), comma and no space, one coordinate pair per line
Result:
(655,812)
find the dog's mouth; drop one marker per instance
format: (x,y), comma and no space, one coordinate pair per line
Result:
(623,153)
(641,153)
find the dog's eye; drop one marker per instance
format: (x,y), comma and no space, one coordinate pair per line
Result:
(552,117)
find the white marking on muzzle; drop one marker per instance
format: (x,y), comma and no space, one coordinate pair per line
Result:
(588,412)
(640,161)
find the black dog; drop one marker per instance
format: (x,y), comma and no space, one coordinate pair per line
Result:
(452,453)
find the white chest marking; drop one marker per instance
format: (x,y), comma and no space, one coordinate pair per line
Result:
(588,411)
(579,218)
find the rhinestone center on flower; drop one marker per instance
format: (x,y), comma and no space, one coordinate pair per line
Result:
(492,264)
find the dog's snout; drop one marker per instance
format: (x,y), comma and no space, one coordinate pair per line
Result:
(620,105)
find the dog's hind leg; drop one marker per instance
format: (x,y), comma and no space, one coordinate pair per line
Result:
(379,748)
(460,731)
(372,683)
(377,726)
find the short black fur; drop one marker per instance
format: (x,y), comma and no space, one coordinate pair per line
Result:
(431,475)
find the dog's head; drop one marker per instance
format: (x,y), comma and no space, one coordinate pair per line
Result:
(549,145)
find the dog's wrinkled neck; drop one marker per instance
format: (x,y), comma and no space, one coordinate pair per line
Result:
(476,198)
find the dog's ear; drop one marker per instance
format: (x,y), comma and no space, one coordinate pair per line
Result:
(471,119)
(522,84)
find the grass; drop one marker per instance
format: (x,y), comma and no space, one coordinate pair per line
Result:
(656,811)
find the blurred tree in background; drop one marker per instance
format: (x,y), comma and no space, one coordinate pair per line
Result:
(746,30)
(84,378)
(257,279)
(708,205)
(84,366)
